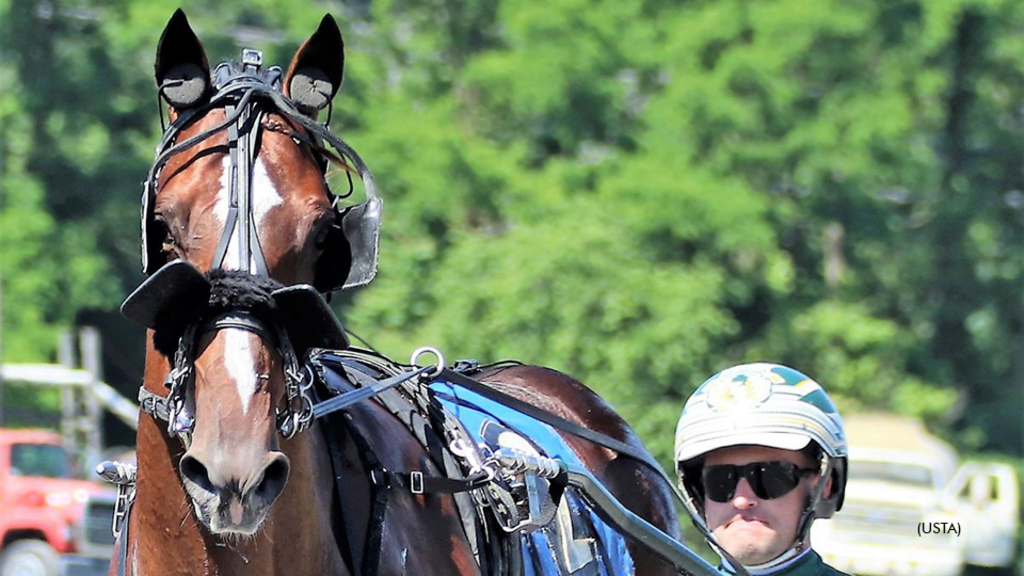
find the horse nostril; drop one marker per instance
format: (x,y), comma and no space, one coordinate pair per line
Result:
(194,471)
(275,476)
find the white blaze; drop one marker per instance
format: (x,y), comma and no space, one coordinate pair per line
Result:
(238,355)
(264,198)
(240,364)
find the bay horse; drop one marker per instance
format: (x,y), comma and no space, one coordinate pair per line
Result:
(227,480)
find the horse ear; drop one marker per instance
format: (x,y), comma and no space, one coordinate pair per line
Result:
(315,73)
(182,70)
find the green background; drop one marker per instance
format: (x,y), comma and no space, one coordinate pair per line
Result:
(638,193)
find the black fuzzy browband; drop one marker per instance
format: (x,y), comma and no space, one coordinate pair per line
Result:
(230,290)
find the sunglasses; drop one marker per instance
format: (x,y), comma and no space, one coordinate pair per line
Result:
(768,480)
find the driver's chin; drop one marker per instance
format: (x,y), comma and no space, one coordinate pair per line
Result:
(750,548)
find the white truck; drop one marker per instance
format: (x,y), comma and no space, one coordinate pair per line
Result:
(912,509)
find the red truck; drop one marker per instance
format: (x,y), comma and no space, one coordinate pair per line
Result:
(51,524)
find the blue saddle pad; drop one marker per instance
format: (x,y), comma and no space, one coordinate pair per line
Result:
(540,548)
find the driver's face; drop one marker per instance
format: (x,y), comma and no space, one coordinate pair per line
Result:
(752,529)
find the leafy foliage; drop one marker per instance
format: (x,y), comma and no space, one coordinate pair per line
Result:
(636,193)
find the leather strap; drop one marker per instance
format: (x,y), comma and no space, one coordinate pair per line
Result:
(243,138)
(344,525)
(379,487)
(225,238)
(356,395)
(556,421)
(122,541)
(419,483)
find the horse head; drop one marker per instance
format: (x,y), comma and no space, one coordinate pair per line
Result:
(272,148)
(238,190)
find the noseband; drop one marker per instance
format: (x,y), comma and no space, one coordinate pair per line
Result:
(297,413)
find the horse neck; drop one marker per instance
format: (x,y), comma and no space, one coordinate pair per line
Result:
(296,539)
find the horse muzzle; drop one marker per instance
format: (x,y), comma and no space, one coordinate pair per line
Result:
(236,504)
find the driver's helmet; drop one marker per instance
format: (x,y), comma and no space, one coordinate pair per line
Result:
(762,405)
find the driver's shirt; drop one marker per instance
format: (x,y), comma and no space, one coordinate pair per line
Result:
(807,564)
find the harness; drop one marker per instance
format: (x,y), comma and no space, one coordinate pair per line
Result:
(173,408)
(476,478)
(404,390)
(243,151)
(505,469)
(353,376)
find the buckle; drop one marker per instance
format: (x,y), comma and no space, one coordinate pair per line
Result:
(466,366)
(252,57)
(379,477)
(416,482)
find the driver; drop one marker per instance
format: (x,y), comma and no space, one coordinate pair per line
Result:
(760,452)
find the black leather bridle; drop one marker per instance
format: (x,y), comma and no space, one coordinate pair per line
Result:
(247,91)
(174,409)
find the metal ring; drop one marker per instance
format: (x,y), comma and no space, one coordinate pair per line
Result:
(290,427)
(438,367)
(307,383)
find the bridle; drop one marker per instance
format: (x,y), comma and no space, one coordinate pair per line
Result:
(174,409)
(243,146)
(247,92)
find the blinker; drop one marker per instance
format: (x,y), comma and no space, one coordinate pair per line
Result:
(176,289)
(179,290)
(355,244)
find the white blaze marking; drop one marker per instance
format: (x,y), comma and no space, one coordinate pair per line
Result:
(240,364)
(220,209)
(265,197)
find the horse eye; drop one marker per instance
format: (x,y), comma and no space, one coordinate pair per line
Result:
(168,243)
(323,231)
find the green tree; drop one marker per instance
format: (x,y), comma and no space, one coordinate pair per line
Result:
(637,193)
